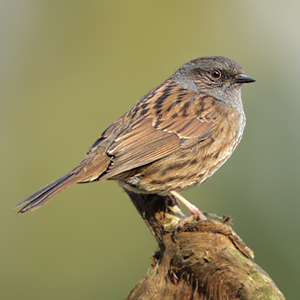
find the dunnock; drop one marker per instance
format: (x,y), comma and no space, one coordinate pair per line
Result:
(176,136)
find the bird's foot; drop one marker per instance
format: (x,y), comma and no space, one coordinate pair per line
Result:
(196,213)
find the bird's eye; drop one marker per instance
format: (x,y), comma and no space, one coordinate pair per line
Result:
(216,73)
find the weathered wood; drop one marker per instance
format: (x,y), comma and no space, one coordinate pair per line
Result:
(205,260)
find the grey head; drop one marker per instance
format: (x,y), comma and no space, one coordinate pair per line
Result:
(218,76)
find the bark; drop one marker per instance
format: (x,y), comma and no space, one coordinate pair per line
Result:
(203,260)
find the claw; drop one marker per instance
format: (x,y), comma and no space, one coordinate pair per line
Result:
(196,213)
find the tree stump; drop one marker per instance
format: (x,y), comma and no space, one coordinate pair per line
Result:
(203,260)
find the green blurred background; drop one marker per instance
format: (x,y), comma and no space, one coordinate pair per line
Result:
(70,68)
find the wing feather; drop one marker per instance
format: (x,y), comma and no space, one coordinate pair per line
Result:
(149,139)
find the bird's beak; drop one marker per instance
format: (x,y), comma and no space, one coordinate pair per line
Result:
(241,78)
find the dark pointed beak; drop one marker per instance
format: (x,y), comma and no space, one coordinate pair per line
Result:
(241,78)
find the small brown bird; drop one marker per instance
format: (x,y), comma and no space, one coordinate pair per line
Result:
(175,137)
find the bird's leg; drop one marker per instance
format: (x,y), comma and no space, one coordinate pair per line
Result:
(196,213)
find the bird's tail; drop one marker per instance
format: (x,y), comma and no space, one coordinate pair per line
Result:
(90,169)
(43,195)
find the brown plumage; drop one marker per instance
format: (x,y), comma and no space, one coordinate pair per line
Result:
(173,138)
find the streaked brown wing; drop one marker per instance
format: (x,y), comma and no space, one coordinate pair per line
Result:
(148,139)
(113,130)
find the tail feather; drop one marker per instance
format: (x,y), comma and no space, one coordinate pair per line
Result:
(43,195)
(90,169)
